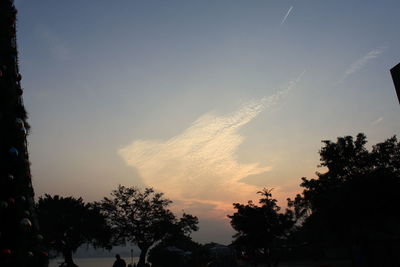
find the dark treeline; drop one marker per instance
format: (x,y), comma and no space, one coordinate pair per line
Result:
(130,216)
(348,213)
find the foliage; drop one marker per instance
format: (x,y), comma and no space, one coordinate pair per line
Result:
(174,251)
(184,252)
(68,222)
(358,194)
(260,227)
(143,218)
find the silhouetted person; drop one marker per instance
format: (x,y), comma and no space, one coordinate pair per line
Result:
(119,262)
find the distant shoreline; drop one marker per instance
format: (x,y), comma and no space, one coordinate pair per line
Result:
(92,261)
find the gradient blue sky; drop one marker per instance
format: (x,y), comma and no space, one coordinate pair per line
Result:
(207,101)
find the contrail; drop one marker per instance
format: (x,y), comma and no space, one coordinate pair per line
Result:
(287,15)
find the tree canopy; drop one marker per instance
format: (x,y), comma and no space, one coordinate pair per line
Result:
(173,250)
(143,218)
(260,227)
(357,197)
(68,222)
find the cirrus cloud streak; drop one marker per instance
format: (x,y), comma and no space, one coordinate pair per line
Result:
(361,62)
(199,167)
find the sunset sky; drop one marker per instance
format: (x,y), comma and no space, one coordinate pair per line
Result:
(206,101)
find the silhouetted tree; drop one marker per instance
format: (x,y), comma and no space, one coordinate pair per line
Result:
(175,251)
(357,198)
(68,222)
(260,227)
(142,217)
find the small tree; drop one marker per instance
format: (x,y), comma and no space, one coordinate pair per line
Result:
(171,251)
(142,217)
(67,223)
(175,251)
(260,227)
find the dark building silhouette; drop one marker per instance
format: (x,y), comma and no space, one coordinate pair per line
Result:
(395,71)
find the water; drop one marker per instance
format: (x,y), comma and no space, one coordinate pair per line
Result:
(92,262)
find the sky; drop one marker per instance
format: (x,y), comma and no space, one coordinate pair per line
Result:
(206,101)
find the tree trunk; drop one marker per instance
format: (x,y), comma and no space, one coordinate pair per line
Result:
(142,258)
(267,256)
(68,258)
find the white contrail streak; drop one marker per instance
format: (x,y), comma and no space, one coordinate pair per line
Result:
(287,15)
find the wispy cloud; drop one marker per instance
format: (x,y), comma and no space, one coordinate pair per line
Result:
(56,46)
(287,15)
(199,167)
(360,63)
(377,121)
